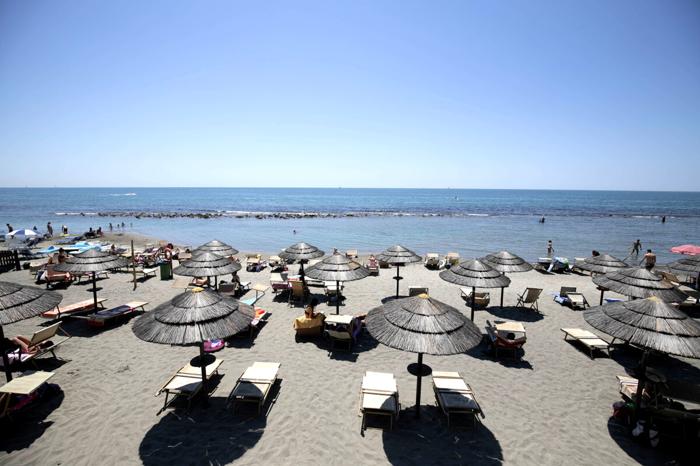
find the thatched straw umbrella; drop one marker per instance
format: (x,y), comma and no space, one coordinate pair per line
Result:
(207,264)
(506,262)
(688,266)
(476,274)
(638,282)
(420,324)
(604,263)
(217,247)
(193,317)
(650,324)
(398,256)
(338,268)
(18,303)
(92,261)
(301,252)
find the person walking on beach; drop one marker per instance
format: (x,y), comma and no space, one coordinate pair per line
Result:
(111,228)
(550,248)
(636,247)
(49,229)
(9,228)
(649,260)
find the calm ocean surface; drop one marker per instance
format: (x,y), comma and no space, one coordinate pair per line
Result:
(471,222)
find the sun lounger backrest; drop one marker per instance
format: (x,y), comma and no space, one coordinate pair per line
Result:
(44,334)
(417,290)
(567,289)
(532,295)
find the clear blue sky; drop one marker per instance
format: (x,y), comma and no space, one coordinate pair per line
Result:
(490,94)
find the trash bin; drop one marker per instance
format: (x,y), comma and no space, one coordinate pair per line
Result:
(166,270)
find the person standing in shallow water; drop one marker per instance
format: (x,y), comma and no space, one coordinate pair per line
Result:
(550,248)
(649,259)
(636,247)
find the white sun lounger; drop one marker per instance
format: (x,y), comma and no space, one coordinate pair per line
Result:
(455,396)
(589,339)
(379,395)
(187,382)
(255,384)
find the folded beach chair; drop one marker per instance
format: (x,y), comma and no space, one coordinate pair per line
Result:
(379,396)
(416,290)
(187,382)
(454,396)
(108,316)
(255,384)
(25,386)
(481,298)
(432,260)
(44,341)
(529,298)
(75,308)
(589,339)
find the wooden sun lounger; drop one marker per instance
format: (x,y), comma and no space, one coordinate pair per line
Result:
(187,382)
(75,308)
(147,272)
(379,396)
(88,275)
(24,385)
(589,339)
(107,316)
(455,396)
(255,384)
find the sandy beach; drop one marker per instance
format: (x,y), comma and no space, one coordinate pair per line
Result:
(552,407)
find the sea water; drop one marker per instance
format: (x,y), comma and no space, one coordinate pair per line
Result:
(471,222)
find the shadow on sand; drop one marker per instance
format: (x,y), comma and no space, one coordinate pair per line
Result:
(29,424)
(669,451)
(428,441)
(212,435)
(520,314)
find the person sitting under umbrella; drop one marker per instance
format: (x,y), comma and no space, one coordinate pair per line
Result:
(22,343)
(311,323)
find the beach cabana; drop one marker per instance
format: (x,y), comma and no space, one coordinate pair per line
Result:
(604,263)
(207,264)
(423,325)
(301,252)
(506,262)
(193,317)
(338,268)
(92,261)
(650,324)
(18,303)
(639,282)
(398,256)
(475,274)
(217,247)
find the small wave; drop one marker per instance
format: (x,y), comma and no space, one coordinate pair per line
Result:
(123,194)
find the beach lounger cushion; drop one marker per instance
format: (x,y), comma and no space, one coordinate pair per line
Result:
(255,384)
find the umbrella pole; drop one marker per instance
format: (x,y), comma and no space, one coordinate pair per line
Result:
(473,301)
(397,280)
(337,297)
(5,359)
(641,381)
(216,282)
(204,374)
(418,383)
(94,291)
(502,290)
(602,292)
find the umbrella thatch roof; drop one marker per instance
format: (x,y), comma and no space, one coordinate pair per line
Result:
(687,266)
(301,251)
(92,260)
(207,264)
(603,263)
(506,262)
(649,323)
(420,324)
(337,267)
(638,282)
(475,273)
(218,248)
(193,317)
(398,255)
(22,302)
